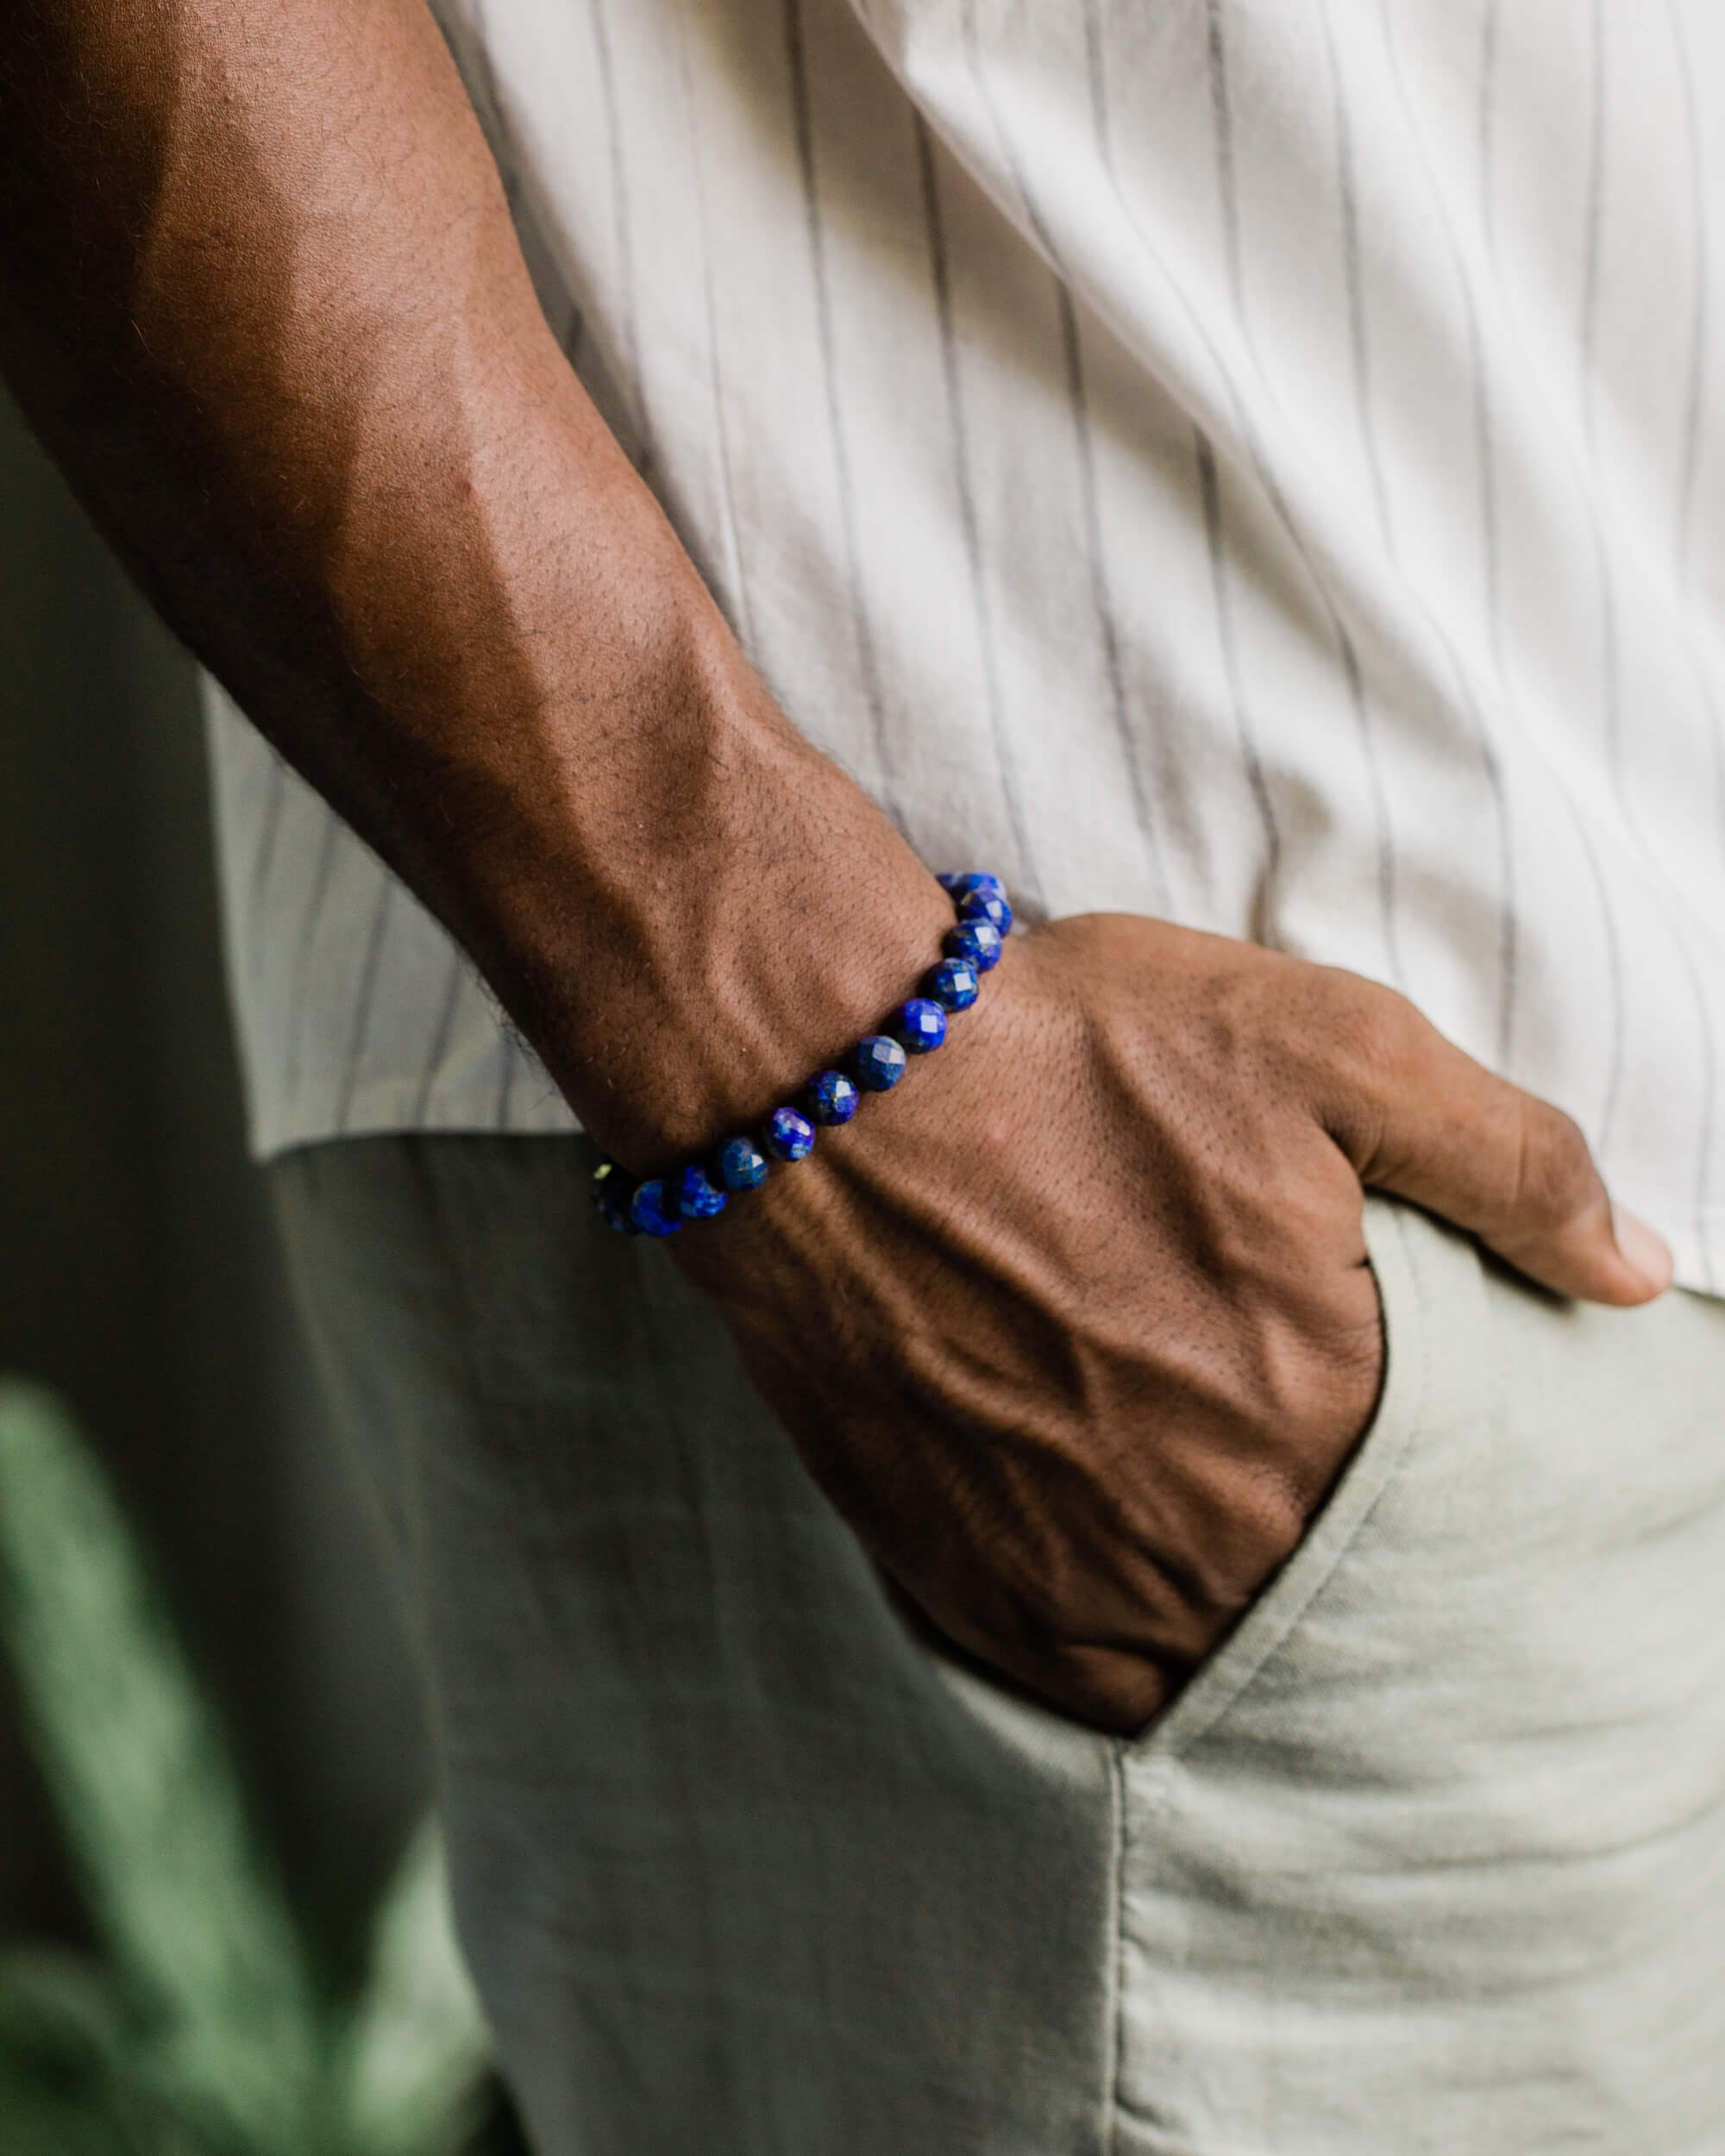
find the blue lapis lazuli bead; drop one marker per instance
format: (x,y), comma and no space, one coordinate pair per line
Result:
(987,906)
(611,1190)
(976,942)
(740,1164)
(952,984)
(973,879)
(831,1098)
(788,1136)
(878,1062)
(920,1025)
(699,1197)
(654,1207)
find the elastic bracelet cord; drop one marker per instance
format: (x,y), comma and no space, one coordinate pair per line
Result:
(659,1205)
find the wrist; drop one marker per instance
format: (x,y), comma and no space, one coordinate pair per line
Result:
(721,913)
(830,1097)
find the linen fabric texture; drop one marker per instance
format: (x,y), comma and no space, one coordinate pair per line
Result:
(1430,1856)
(1255,464)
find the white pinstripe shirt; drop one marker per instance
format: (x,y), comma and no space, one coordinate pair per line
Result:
(1260,462)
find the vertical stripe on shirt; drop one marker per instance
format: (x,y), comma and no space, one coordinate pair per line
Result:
(928,173)
(300,1007)
(1084,452)
(1101,597)
(1353,678)
(1210,493)
(803,126)
(733,538)
(363,1001)
(1695,395)
(1209,490)
(1484,448)
(438,1045)
(622,234)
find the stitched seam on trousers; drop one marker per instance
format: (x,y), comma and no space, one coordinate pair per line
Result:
(1158,1753)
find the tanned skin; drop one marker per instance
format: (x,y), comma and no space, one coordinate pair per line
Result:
(1077,1328)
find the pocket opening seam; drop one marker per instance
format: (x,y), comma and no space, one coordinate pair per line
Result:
(1333,1532)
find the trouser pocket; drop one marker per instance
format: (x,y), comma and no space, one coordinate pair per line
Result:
(1431,1856)
(1408,1282)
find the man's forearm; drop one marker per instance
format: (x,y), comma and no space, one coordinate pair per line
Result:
(262,299)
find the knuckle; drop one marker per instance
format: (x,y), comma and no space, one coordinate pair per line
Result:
(1389,1035)
(1554,1176)
(1367,1039)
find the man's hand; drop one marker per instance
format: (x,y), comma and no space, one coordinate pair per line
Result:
(1076,1330)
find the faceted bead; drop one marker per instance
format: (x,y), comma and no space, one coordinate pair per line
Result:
(920,1025)
(952,984)
(654,1207)
(878,1062)
(831,1098)
(976,942)
(740,1164)
(987,906)
(788,1136)
(611,1190)
(977,880)
(697,1196)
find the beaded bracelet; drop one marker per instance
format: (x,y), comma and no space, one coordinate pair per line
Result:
(659,1205)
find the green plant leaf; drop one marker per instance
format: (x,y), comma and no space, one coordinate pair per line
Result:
(134,1762)
(416,2052)
(53,2002)
(63,2060)
(39,2117)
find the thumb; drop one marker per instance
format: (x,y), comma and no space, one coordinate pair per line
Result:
(1440,1129)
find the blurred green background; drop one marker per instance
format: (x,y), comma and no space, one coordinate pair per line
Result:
(137,1272)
